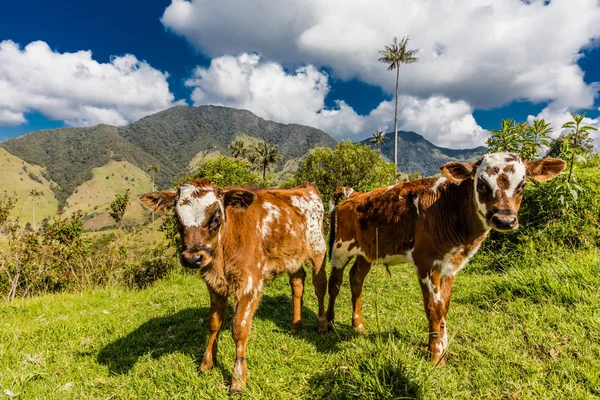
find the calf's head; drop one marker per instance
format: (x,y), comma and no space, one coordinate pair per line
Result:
(200,213)
(499,180)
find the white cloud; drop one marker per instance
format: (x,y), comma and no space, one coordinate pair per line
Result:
(77,89)
(271,92)
(485,52)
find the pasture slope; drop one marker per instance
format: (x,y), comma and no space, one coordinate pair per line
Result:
(532,332)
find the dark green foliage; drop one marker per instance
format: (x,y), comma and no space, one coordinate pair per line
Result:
(226,171)
(170,138)
(526,140)
(262,155)
(7,203)
(416,154)
(350,164)
(118,207)
(35,178)
(150,270)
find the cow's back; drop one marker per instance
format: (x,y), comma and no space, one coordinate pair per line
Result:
(282,228)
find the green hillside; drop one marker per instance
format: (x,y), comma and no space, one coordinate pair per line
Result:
(69,155)
(172,138)
(20,177)
(94,196)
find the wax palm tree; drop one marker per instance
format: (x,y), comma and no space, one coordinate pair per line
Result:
(153,169)
(395,55)
(34,194)
(262,155)
(378,138)
(237,149)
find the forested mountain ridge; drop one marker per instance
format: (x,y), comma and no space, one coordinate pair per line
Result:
(171,138)
(417,154)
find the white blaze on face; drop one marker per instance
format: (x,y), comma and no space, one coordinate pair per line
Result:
(192,210)
(492,166)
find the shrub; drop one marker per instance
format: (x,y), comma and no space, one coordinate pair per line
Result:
(349,164)
(226,171)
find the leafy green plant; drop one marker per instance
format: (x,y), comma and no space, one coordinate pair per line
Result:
(262,155)
(226,171)
(526,140)
(118,207)
(7,203)
(378,138)
(349,164)
(572,148)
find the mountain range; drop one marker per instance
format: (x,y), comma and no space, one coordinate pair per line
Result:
(82,168)
(417,154)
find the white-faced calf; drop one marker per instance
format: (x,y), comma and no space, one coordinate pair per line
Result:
(436,224)
(241,238)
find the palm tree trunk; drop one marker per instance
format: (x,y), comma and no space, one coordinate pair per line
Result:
(153,191)
(34,214)
(396,120)
(264,172)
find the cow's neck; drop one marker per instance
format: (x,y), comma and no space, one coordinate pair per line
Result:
(214,274)
(458,203)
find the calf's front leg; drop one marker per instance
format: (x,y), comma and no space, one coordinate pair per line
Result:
(242,321)
(436,291)
(218,306)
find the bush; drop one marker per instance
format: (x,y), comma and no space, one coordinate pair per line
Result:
(226,171)
(551,216)
(349,164)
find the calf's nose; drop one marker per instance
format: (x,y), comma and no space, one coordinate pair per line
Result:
(194,259)
(505,221)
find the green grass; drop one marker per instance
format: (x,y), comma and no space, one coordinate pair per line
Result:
(532,332)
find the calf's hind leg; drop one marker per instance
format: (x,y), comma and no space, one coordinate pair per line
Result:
(358,273)
(338,263)
(218,306)
(297,285)
(320,285)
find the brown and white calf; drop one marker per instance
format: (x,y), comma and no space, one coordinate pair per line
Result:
(240,238)
(437,224)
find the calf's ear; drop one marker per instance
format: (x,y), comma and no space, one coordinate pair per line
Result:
(457,172)
(159,202)
(545,169)
(238,198)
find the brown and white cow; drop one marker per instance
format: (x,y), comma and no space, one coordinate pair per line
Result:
(437,224)
(240,238)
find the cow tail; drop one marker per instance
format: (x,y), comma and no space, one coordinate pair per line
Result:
(332,226)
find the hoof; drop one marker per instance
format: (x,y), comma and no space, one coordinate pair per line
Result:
(359,329)
(206,366)
(322,325)
(296,328)
(438,361)
(237,388)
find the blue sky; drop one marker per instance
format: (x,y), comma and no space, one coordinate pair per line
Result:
(299,62)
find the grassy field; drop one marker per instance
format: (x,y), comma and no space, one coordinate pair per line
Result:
(531,332)
(20,177)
